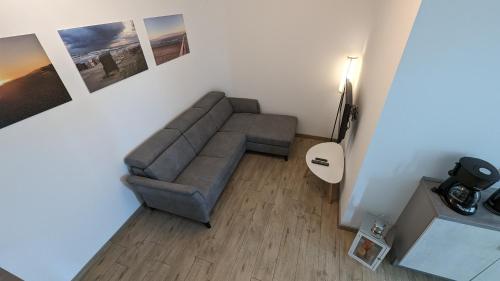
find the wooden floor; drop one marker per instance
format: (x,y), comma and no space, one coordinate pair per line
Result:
(273,222)
(7,276)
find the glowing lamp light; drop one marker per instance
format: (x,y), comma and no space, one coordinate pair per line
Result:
(349,72)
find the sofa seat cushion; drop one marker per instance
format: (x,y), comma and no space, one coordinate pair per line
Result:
(224,144)
(239,122)
(209,175)
(271,129)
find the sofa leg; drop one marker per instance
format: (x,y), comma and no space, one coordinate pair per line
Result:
(286,158)
(208,225)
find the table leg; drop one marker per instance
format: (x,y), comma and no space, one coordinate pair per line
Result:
(334,192)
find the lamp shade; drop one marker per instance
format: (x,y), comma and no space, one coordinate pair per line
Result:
(348,73)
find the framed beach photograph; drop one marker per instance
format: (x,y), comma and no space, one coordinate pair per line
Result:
(106,53)
(168,37)
(29,83)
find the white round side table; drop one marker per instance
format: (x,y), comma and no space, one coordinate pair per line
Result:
(332,174)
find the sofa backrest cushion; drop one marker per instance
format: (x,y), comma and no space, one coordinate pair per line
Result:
(172,161)
(186,119)
(201,132)
(221,112)
(150,149)
(209,100)
(165,154)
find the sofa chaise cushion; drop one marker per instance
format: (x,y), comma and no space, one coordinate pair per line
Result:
(270,129)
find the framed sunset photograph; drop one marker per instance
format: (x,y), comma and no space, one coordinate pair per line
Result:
(29,83)
(168,37)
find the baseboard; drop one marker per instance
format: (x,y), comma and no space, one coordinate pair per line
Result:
(344,227)
(347,228)
(312,137)
(85,268)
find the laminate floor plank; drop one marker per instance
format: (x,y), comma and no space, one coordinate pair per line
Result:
(308,266)
(247,255)
(295,222)
(105,261)
(116,272)
(272,222)
(269,250)
(329,234)
(349,269)
(201,270)
(7,276)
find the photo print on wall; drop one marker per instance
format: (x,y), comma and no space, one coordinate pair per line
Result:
(167,36)
(29,83)
(106,53)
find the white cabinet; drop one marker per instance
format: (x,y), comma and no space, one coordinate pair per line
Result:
(453,250)
(432,238)
(491,273)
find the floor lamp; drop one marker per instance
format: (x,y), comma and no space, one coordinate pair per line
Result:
(342,87)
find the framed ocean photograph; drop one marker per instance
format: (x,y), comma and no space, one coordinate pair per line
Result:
(29,83)
(168,37)
(106,53)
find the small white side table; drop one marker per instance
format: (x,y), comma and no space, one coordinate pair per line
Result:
(332,174)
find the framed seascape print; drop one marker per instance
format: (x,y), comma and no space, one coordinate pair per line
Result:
(106,53)
(168,37)
(29,83)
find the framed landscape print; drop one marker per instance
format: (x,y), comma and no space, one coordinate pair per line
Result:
(106,53)
(29,83)
(168,37)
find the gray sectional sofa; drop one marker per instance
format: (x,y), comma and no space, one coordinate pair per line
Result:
(183,168)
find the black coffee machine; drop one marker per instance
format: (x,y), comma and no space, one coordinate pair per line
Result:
(462,190)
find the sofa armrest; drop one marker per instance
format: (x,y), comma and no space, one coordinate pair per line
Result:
(182,200)
(161,185)
(242,105)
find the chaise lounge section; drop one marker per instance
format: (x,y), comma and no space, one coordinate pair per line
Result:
(184,167)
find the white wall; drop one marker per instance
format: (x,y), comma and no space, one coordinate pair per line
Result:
(391,27)
(61,195)
(290,54)
(442,105)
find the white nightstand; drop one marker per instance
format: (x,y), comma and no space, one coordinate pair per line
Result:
(332,174)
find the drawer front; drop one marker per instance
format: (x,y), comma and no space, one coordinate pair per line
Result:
(452,250)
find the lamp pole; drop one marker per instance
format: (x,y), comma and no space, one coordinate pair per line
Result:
(345,78)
